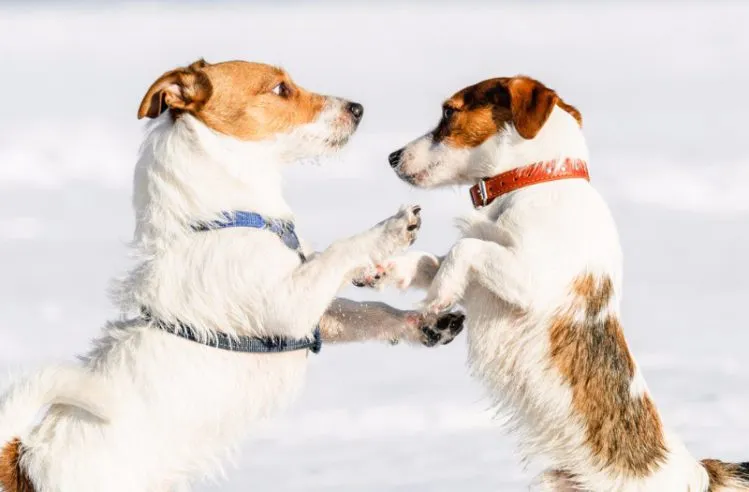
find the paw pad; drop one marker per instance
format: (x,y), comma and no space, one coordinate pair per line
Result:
(446,328)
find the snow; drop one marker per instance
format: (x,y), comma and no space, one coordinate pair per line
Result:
(660,87)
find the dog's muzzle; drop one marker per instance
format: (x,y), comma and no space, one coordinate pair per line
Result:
(356,110)
(395,158)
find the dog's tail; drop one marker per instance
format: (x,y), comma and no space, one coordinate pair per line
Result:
(727,477)
(68,385)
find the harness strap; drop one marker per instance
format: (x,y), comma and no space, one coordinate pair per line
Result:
(284,229)
(253,345)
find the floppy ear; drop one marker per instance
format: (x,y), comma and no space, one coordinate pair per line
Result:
(531,103)
(184,89)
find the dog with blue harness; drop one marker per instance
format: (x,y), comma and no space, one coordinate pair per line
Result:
(285,231)
(442,331)
(223,305)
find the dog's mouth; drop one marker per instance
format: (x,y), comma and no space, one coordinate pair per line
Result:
(337,142)
(343,130)
(417,178)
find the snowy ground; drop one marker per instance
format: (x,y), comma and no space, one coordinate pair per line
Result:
(661,88)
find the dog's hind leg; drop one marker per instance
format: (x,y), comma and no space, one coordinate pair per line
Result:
(351,321)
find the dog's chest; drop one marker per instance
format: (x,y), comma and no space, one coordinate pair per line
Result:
(486,228)
(499,333)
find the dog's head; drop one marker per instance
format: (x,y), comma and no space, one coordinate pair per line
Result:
(254,102)
(479,124)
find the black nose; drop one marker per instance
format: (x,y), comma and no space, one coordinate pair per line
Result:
(395,158)
(356,109)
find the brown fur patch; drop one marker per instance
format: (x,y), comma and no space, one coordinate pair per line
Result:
(235,98)
(12,476)
(560,481)
(571,110)
(481,110)
(722,474)
(532,103)
(589,350)
(594,296)
(718,474)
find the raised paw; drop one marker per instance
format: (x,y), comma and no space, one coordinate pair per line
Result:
(378,276)
(438,304)
(447,289)
(405,225)
(399,232)
(443,330)
(370,277)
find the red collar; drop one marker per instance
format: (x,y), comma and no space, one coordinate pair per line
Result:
(489,189)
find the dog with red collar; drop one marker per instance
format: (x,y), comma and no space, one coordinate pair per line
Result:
(539,273)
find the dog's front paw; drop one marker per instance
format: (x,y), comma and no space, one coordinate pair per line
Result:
(380,276)
(438,305)
(398,232)
(371,276)
(401,272)
(439,300)
(443,329)
(447,289)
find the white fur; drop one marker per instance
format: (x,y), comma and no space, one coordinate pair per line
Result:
(512,272)
(149,411)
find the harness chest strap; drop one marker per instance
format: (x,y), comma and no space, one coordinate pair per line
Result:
(285,231)
(254,345)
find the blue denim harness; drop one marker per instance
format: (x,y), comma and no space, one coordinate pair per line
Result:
(284,229)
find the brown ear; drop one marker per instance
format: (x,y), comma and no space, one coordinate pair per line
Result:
(184,89)
(531,103)
(198,64)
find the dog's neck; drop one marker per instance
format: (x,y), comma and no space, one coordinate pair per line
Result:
(188,173)
(561,137)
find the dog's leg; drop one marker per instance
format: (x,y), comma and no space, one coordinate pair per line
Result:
(493,266)
(414,269)
(350,321)
(309,291)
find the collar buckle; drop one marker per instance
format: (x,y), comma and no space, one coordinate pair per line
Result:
(483,195)
(479,195)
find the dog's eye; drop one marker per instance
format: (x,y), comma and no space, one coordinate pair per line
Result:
(447,112)
(281,89)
